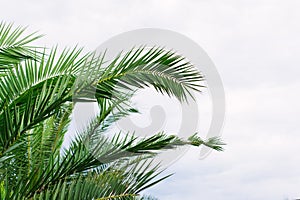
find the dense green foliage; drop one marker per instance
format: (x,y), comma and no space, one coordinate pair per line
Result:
(38,90)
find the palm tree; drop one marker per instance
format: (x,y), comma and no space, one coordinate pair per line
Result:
(38,90)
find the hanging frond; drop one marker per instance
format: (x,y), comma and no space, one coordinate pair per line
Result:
(165,70)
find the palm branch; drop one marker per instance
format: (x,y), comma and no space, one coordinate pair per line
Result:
(14,47)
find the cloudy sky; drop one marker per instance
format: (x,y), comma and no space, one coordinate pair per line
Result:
(255,46)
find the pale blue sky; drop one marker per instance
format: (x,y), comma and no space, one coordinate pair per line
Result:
(255,45)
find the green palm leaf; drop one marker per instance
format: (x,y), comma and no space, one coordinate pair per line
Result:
(14,47)
(166,71)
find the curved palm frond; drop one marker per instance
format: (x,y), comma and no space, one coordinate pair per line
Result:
(165,70)
(107,184)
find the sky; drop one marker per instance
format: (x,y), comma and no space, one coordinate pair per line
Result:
(255,46)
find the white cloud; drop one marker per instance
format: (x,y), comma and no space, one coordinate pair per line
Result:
(261,159)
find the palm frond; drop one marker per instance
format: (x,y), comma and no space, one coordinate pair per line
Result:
(111,184)
(166,71)
(14,47)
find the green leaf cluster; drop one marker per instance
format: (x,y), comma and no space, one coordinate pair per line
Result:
(38,91)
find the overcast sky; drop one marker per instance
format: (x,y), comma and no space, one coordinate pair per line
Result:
(255,46)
